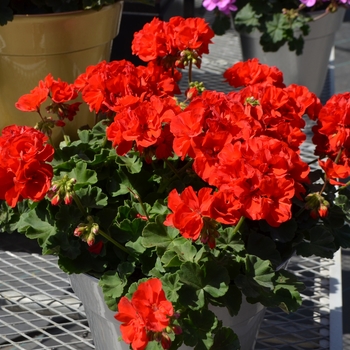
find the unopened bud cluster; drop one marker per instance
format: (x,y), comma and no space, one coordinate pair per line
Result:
(194,90)
(317,204)
(187,56)
(87,231)
(62,190)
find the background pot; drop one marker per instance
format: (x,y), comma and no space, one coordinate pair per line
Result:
(63,44)
(105,329)
(308,69)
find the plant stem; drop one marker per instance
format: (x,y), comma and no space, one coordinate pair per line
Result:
(102,233)
(343,187)
(140,201)
(239,224)
(78,202)
(190,73)
(110,239)
(326,180)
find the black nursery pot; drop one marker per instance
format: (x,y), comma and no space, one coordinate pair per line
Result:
(134,17)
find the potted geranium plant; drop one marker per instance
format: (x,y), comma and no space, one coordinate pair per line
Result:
(302,33)
(178,206)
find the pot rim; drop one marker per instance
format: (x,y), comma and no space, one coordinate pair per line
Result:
(66,13)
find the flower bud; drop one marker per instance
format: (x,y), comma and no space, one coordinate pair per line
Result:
(165,341)
(317,204)
(68,199)
(323,209)
(87,231)
(62,190)
(177,329)
(55,200)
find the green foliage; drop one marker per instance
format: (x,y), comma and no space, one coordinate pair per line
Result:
(278,23)
(112,193)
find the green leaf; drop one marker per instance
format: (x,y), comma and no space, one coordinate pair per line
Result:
(191,297)
(132,162)
(83,175)
(232,300)
(179,251)
(133,226)
(263,247)
(343,201)
(34,227)
(136,246)
(170,259)
(210,277)
(342,236)
(321,243)
(157,234)
(92,197)
(113,288)
(8,218)
(276,27)
(287,288)
(198,328)
(221,24)
(257,276)
(192,275)
(225,339)
(158,208)
(246,18)
(171,284)
(154,345)
(230,239)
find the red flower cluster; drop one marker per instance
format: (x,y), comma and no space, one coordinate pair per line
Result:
(24,172)
(146,316)
(144,123)
(60,93)
(191,214)
(332,137)
(104,85)
(175,42)
(246,145)
(253,72)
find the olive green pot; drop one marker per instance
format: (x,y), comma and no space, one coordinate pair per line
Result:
(63,44)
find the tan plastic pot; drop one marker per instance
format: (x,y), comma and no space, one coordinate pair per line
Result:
(63,44)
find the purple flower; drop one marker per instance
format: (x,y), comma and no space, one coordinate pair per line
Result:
(308,3)
(224,6)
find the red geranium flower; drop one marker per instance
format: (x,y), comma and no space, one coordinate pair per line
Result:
(189,211)
(253,72)
(24,172)
(133,327)
(147,312)
(32,102)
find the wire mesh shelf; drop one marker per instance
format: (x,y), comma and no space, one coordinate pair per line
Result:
(38,309)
